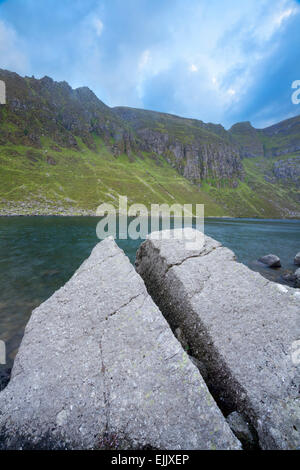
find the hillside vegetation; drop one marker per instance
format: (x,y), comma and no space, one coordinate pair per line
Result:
(63,151)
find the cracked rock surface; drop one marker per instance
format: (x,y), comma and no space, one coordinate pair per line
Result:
(99,367)
(242,327)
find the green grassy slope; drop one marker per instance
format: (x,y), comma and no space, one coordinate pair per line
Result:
(43,181)
(255,196)
(30,184)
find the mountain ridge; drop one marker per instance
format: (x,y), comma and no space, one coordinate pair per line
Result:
(47,127)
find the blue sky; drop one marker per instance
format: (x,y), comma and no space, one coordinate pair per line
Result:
(221,61)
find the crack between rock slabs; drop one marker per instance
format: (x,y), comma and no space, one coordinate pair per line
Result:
(125,305)
(201,255)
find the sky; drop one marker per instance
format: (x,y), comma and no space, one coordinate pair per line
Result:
(220,61)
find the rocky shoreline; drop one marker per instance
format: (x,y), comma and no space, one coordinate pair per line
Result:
(207,366)
(27,209)
(74,212)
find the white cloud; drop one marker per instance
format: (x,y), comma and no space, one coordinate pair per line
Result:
(285,14)
(12,55)
(144,59)
(228,46)
(193,68)
(231,91)
(98,26)
(276,19)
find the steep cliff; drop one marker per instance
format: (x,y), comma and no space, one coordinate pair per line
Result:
(248,138)
(45,108)
(197,150)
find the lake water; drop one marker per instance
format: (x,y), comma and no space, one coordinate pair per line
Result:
(39,254)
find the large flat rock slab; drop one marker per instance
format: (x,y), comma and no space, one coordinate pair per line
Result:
(99,367)
(243,329)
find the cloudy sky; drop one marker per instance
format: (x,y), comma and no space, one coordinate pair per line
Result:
(221,61)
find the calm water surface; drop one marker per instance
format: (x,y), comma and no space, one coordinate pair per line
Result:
(39,254)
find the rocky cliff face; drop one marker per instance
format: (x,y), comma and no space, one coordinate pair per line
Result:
(197,150)
(288,170)
(45,108)
(248,138)
(280,139)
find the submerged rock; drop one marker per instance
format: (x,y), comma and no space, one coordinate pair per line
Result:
(99,367)
(4,376)
(292,278)
(270,260)
(243,430)
(241,326)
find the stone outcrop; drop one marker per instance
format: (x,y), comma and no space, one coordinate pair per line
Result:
(242,327)
(288,170)
(198,151)
(283,138)
(270,260)
(297,258)
(242,430)
(99,367)
(248,138)
(196,161)
(291,278)
(44,107)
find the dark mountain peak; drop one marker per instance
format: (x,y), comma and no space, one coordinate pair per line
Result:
(46,80)
(248,139)
(288,125)
(86,95)
(244,126)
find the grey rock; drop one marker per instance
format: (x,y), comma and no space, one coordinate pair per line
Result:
(297,258)
(288,170)
(270,260)
(196,159)
(290,278)
(249,138)
(201,366)
(99,367)
(243,327)
(4,376)
(242,430)
(182,340)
